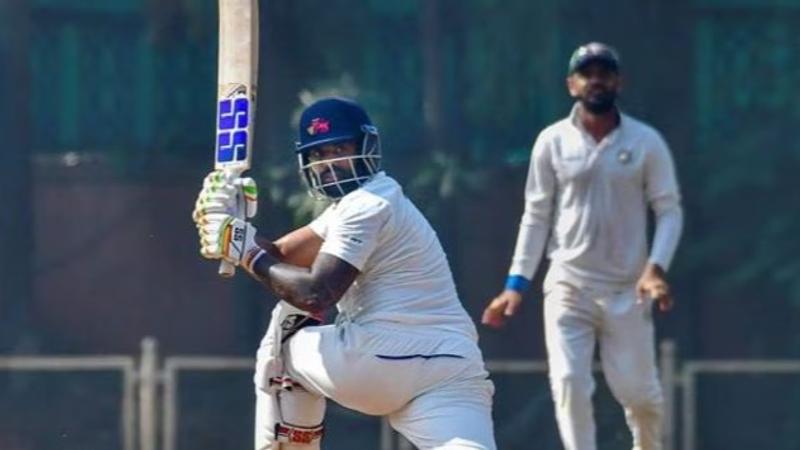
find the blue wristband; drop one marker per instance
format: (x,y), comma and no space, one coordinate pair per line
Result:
(517,283)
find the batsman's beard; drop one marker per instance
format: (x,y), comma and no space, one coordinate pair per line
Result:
(338,182)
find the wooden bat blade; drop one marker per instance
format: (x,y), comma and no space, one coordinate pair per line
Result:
(236,84)
(237,77)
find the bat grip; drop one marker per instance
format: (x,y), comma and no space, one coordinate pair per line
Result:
(226,269)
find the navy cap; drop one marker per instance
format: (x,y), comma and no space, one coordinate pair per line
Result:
(331,120)
(593,52)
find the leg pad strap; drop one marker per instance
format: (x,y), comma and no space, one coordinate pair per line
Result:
(291,434)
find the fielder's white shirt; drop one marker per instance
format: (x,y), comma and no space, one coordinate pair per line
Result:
(405,281)
(588,201)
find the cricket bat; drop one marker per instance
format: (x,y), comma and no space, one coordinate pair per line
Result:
(237,76)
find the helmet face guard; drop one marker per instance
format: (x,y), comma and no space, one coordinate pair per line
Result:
(358,170)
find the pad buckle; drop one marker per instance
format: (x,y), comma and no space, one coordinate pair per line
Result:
(298,435)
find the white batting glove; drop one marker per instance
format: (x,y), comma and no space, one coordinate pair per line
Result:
(238,198)
(223,236)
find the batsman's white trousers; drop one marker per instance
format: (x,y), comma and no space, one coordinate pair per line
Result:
(575,320)
(436,402)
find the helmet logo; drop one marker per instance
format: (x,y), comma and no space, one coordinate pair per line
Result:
(318,126)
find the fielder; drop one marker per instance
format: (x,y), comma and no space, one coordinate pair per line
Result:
(592,177)
(402,345)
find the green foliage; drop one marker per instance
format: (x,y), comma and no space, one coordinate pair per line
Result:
(443,178)
(397,8)
(741,183)
(282,190)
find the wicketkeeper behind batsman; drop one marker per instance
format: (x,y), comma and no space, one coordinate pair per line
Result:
(402,346)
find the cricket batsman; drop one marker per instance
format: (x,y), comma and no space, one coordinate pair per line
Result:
(592,178)
(402,345)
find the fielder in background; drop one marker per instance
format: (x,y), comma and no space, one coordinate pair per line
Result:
(402,345)
(592,177)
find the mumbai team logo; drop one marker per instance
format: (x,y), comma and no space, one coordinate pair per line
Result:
(318,126)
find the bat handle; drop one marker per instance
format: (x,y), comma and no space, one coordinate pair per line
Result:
(226,269)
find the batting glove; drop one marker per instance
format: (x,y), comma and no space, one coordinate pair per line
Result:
(223,236)
(238,198)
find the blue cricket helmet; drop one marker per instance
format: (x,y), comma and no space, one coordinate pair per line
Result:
(330,121)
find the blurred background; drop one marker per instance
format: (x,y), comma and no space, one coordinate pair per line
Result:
(107,119)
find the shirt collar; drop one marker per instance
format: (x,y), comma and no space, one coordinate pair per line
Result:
(611,137)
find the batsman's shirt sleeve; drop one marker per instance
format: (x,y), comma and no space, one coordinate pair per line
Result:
(354,228)
(664,198)
(320,225)
(534,227)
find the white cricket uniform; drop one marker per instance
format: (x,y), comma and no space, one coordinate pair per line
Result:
(587,201)
(402,346)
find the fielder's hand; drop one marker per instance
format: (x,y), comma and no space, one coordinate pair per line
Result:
(501,308)
(238,198)
(653,284)
(223,236)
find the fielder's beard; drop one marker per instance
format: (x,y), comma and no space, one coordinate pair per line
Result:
(599,103)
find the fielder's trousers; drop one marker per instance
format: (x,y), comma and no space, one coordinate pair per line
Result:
(575,320)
